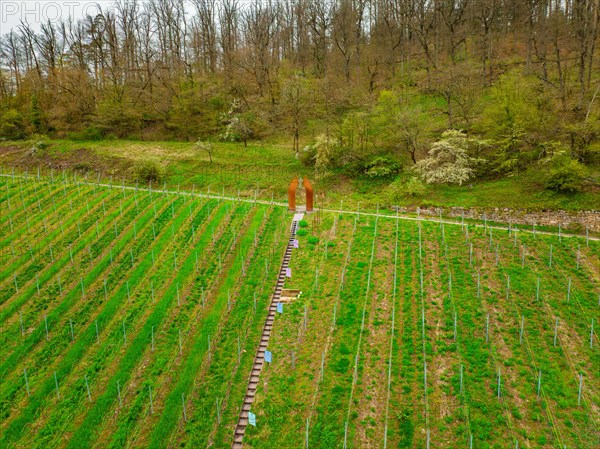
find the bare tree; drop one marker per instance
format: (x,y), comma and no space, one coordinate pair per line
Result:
(258,23)
(154,64)
(207,33)
(294,104)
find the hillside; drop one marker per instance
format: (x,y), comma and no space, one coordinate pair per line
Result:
(355,88)
(265,170)
(130,318)
(156,290)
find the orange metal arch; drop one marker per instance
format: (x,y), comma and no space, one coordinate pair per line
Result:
(292,195)
(309,194)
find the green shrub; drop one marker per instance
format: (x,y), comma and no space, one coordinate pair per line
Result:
(301,232)
(313,240)
(303,224)
(12,125)
(149,171)
(414,187)
(342,365)
(566,176)
(407,430)
(90,133)
(399,189)
(381,167)
(344,349)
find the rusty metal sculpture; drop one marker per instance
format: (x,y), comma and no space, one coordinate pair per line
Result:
(292,195)
(309,194)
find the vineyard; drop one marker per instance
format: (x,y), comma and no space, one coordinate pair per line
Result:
(131,317)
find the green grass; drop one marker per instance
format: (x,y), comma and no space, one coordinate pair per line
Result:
(184,265)
(268,168)
(520,415)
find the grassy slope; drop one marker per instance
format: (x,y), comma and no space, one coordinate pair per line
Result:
(288,395)
(353,385)
(269,167)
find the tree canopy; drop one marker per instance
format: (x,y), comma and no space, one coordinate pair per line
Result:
(449,160)
(379,78)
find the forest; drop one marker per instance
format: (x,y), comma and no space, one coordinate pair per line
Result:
(368,87)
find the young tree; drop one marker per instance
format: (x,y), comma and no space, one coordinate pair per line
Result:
(326,150)
(205,146)
(449,160)
(403,126)
(238,124)
(566,174)
(411,125)
(295,102)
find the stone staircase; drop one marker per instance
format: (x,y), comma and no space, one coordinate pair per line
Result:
(259,359)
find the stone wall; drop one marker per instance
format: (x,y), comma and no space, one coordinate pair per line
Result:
(568,220)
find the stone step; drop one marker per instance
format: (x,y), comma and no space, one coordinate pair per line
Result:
(259,358)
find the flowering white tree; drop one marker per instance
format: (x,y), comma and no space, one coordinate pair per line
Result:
(325,151)
(449,160)
(237,123)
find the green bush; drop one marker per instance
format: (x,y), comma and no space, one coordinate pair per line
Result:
(566,176)
(342,365)
(400,189)
(90,133)
(307,156)
(303,224)
(407,430)
(12,125)
(381,167)
(414,187)
(301,232)
(149,172)
(313,240)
